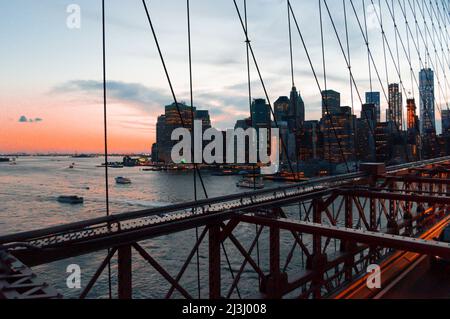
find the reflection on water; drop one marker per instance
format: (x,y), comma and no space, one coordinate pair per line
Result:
(28,193)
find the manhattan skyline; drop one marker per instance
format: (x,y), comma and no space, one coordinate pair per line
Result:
(52,96)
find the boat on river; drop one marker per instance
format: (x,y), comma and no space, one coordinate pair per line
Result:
(253,183)
(123,180)
(73,200)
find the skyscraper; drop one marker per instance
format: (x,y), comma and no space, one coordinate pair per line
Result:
(427,116)
(412,118)
(413,134)
(170,121)
(260,114)
(445,122)
(374,98)
(331,102)
(339,136)
(281,108)
(365,133)
(395,111)
(296,110)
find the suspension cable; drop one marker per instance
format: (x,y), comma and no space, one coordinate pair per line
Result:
(252,53)
(371,129)
(249,83)
(191,91)
(376,69)
(318,84)
(105,127)
(155,37)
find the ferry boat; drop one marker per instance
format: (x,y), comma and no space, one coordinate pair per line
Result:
(123,180)
(250,183)
(71,200)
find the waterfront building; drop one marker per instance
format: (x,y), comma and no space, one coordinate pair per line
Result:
(413,131)
(170,121)
(427,102)
(296,112)
(445,114)
(331,102)
(374,98)
(281,108)
(338,129)
(365,139)
(310,142)
(383,139)
(260,114)
(395,111)
(445,122)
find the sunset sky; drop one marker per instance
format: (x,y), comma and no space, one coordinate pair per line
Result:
(51,89)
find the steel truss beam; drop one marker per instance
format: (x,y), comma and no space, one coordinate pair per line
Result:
(419,246)
(17,281)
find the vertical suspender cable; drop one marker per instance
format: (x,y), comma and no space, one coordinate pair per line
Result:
(191,91)
(290,46)
(105,125)
(247,47)
(367,44)
(347,40)
(324,75)
(172,91)
(317,83)
(348,54)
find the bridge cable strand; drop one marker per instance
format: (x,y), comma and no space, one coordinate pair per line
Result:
(291,56)
(367,43)
(230,268)
(283,144)
(183,124)
(347,61)
(433,42)
(318,84)
(386,43)
(249,84)
(105,126)
(196,169)
(427,52)
(426,111)
(413,10)
(438,35)
(398,128)
(191,91)
(444,39)
(347,40)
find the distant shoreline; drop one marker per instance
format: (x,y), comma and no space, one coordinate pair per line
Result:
(87,155)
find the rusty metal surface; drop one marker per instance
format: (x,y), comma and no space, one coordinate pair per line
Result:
(17,281)
(366,196)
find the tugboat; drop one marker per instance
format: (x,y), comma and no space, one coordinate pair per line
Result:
(73,200)
(250,183)
(123,180)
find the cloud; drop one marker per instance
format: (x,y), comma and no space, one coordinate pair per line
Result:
(24,119)
(118,90)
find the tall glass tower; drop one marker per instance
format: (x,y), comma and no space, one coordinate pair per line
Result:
(427,116)
(374,98)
